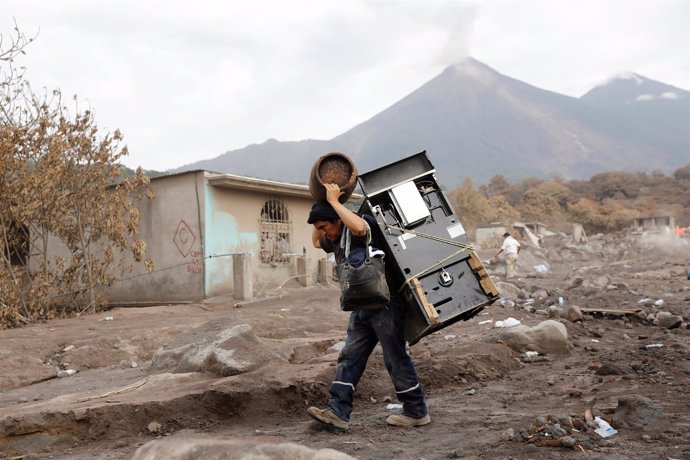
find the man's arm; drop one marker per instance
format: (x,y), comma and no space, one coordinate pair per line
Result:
(315,237)
(351,220)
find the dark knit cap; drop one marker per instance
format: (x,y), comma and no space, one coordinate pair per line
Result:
(322,210)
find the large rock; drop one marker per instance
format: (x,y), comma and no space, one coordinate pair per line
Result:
(637,412)
(213,348)
(508,290)
(547,337)
(573,313)
(231,449)
(600,282)
(670,321)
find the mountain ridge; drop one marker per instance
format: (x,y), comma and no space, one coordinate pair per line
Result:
(476,122)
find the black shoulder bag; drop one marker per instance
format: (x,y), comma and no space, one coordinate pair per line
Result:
(364,287)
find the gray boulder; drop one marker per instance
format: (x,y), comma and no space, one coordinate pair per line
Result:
(670,321)
(231,449)
(507,290)
(214,348)
(573,313)
(547,337)
(637,412)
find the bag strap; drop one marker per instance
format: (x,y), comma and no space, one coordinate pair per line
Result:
(346,237)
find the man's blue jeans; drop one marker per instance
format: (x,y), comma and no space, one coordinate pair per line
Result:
(365,330)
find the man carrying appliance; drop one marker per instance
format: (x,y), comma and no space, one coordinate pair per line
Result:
(368,325)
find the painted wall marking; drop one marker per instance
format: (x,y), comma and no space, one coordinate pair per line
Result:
(184,238)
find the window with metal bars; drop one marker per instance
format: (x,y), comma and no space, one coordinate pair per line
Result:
(276,232)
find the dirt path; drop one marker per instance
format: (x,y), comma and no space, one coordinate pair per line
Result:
(476,390)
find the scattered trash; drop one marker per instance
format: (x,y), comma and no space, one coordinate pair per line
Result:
(532,357)
(68,348)
(561,302)
(510,322)
(394,406)
(487,321)
(106,318)
(645,300)
(655,345)
(604,429)
(66,373)
(595,341)
(449,337)
(541,268)
(659,302)
(471,392)
(284,309)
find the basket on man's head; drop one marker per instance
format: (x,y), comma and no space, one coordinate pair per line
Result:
(333,168)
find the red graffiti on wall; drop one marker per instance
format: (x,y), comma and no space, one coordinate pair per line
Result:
(184,238)
(195,266)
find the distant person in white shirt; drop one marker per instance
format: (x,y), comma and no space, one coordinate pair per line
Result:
(511,248)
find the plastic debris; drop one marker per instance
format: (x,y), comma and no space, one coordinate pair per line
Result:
(509,322)
(394,406)
(66,373)
(541,268)
(487,321)
(605,430)
(106,318)
(449,336)
(530,354)
(655,345)
(659,302)
(561,302)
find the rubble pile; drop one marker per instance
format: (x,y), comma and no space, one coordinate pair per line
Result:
(590,430)
(572,432)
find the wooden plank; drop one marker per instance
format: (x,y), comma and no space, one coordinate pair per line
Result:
(485,281)
(488,286)
(428,308)
(474,261)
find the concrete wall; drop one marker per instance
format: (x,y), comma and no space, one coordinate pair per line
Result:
(489,237)
(173,228)
(191,228)
(233,219)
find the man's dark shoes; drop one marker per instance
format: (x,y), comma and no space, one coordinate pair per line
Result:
(327,417)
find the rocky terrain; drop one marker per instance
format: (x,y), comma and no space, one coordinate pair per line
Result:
(603,339)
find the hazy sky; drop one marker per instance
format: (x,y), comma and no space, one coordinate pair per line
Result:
(186,81)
